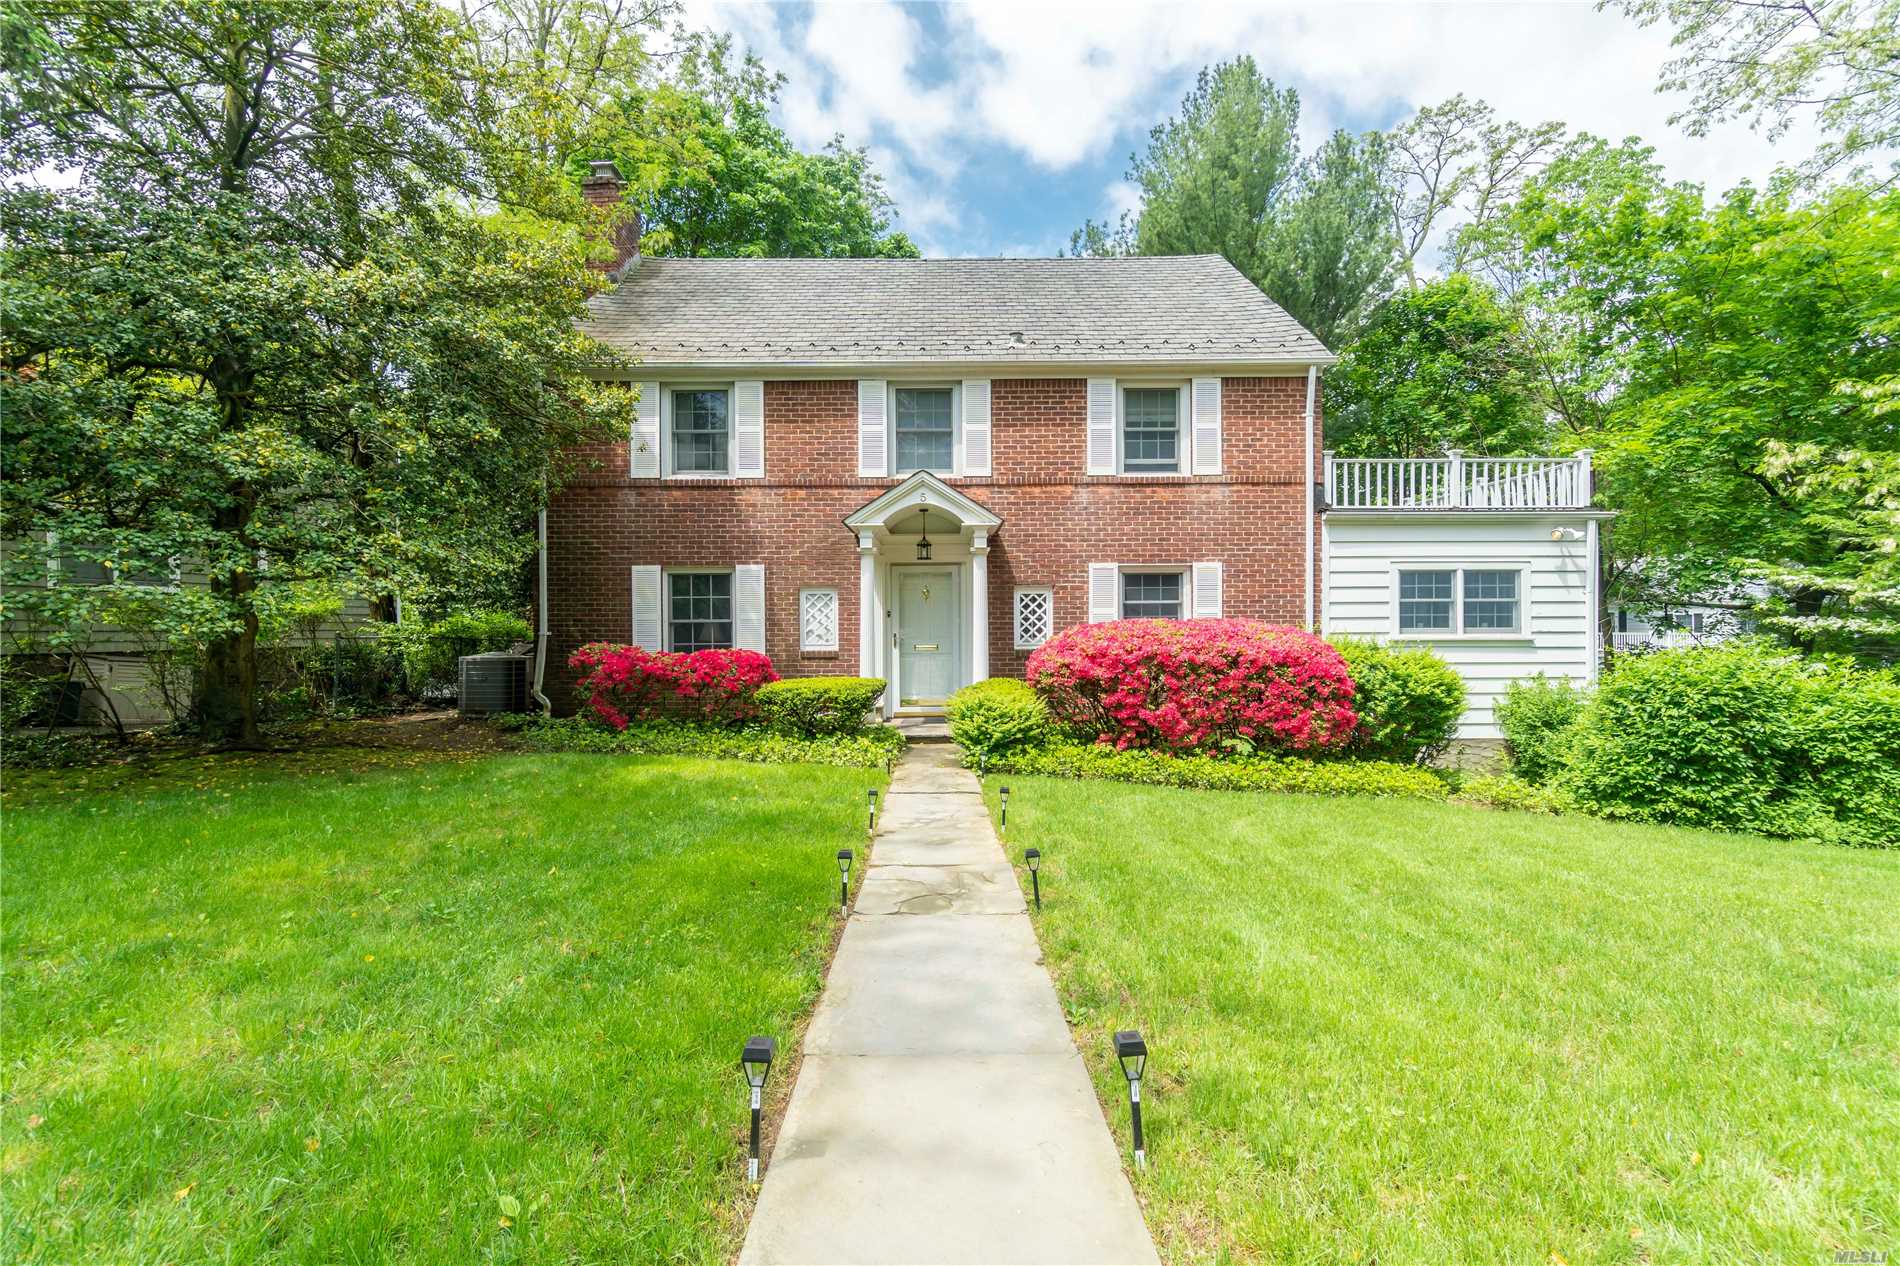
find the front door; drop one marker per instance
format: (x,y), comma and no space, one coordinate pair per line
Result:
(928,650)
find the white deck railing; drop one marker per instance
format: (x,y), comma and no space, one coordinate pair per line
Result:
(1457,482)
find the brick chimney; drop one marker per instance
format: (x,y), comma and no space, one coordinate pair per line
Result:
(603,189)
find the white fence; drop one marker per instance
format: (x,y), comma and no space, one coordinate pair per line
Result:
(1457,482)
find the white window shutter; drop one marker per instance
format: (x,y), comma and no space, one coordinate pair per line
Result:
(1206,590)
(1101,426)
(748,607)
(873,430)
(976,426)
(1104,592)
(1206,426)
(646,432)
(647,630)
(748,429)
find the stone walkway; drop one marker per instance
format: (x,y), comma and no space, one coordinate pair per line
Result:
(942,1113)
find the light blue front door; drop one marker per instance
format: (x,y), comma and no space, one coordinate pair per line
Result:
(929,651)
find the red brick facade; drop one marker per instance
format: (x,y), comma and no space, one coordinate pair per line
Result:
(1055,518)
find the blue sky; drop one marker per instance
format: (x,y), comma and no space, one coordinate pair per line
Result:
(1000,127)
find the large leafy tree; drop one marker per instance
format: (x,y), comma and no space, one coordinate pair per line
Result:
(1771,63)
(262,338)
(716,177)
(1226,177)
(1441,367)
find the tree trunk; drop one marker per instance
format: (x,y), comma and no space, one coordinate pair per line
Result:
(227,690)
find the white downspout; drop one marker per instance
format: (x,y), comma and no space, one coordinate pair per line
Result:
(541,616)
(1312,386)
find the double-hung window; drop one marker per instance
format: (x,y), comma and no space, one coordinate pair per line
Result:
(923,423)
(702,430)
(1151,430)
(699,610)
(1152,595)
(1461,601)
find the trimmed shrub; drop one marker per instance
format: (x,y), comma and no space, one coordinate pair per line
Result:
(990,717)
(1408,700)
(1196,685)
(1228,773)
(819,705)
(620,684)
(874,747)
(1536,715)
(1744,737)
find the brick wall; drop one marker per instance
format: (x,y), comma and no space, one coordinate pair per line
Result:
(1056,519)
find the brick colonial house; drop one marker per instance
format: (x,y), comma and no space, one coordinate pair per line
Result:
(921,469)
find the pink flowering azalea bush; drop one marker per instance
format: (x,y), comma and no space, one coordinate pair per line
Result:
(619,684)
(1197,685)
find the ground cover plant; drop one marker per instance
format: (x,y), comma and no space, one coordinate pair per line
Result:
(1422,1032)
(472,1009)
(871,747)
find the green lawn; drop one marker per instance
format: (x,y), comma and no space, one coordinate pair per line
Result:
(371,1015)
(1392,1032)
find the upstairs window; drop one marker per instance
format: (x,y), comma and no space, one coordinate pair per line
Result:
(1151,595)
(924,422)
(699,611)
(1151,430)
(702,431)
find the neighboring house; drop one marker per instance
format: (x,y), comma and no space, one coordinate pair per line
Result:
(1717,619)
(920,470)
(1491,562)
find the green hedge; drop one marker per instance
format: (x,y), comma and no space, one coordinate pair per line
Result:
(1225,773)
(995,716)
(430,652)
(1743,737)
(876,747)
(1536,716)
(1408,700)
(812,706)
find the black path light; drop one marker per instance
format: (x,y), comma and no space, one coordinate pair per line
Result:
(1033,856)
(844,879)
(756,1059)
(1005,822)
(1133,1053)
(870,823)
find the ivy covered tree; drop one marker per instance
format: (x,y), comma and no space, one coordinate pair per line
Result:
(265,337)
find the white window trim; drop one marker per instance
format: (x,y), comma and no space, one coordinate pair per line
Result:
(837,618)
(955,389)
(1184,570)
(1016,614)
(1183,441)
(667,447)
(1457,632)
(666,599)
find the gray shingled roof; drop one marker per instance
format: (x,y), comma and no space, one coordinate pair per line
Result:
(1149,310)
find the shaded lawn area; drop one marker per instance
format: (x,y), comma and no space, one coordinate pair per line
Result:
(1400,1032)
(479,1009)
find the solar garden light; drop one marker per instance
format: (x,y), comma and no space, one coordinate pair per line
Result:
(1133,1053)
(844,879)
(870,824)
(1005,822)
(1033,856)
(756,1059)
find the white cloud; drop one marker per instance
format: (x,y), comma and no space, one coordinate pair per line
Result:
(1058,85)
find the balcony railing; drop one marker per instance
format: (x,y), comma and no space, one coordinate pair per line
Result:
(1457,482)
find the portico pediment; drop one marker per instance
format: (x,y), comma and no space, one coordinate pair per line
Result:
(922,492)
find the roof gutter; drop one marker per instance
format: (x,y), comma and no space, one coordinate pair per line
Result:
(1052,368)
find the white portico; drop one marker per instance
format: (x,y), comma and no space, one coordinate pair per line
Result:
(923,584)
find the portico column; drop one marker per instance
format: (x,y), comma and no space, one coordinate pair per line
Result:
(979,606)
(867,606)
